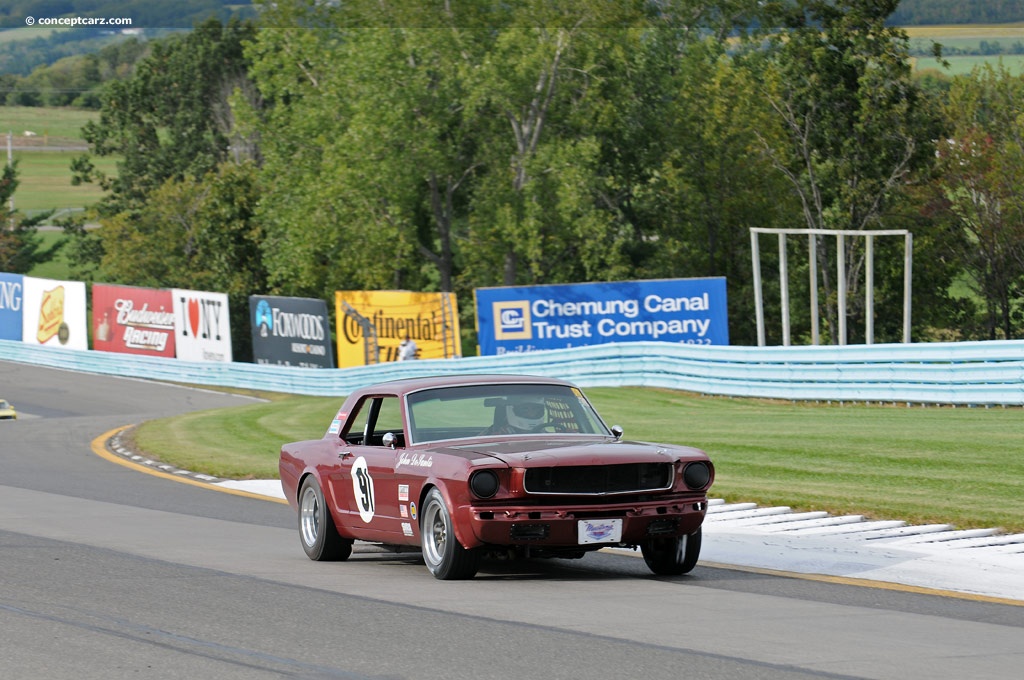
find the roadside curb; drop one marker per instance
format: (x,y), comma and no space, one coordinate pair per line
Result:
(110,445)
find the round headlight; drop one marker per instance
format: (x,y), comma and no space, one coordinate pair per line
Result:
(697,475)
(484,483)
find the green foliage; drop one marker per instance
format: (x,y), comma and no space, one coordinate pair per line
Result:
(856,130)
(472,147)
(982,163)
(181,210)
(74,80)
(923,12)
(20,246)
(194,233)
(448,146)
(171,119)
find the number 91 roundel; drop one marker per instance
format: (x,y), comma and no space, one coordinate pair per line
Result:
(362,487)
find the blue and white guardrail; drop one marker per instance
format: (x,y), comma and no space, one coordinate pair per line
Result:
(969,373)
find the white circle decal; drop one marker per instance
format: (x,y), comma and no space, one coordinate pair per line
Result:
(362,487)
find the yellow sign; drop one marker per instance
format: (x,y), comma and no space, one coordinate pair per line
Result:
(51,315)
(372,325)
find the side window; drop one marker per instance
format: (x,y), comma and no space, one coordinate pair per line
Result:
(373,417)
(389,418)
(353,434)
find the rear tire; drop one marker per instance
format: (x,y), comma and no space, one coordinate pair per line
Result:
(444,556)
(317,533)
(672,556)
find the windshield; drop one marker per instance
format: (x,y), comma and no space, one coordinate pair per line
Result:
(501,409)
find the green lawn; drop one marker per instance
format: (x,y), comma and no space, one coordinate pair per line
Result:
(960,466)
(52,125)
(968,37)
(44,158)
(962,65)
(57,268)
(44,181)
(29,33)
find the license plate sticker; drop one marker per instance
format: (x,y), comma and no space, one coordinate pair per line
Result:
(599,530)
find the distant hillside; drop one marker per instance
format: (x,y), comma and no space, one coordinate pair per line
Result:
(938,12)
(143,13)
(23,48)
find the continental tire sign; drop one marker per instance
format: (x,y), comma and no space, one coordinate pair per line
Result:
(372,324)
(290,331)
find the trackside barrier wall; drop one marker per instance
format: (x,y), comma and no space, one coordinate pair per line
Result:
(989,373)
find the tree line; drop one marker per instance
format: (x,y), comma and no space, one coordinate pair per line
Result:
(938,12)
(441,147)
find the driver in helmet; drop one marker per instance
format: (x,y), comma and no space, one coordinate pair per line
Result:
(521,416)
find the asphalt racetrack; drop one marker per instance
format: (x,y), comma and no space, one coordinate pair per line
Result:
(107,572)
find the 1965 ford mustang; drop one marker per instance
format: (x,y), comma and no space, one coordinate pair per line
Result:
(469,465)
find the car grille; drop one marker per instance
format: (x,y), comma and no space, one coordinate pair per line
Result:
(597,480)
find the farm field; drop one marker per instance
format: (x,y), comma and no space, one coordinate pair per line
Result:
(964,64)
(29,33)
(50,126)
(44,182)
(968,37)
(44,157)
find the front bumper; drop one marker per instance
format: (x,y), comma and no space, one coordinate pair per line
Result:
(557,526)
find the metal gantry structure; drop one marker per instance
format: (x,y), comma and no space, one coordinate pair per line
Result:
(869,279)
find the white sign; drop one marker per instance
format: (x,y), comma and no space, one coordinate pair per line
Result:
(53,313)
(202,328)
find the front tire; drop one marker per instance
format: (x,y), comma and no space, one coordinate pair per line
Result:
(672,556)
(444,556)
(317,533)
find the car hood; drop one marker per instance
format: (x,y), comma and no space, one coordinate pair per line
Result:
(551,452)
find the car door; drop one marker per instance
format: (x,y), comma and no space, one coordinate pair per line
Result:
(364,486)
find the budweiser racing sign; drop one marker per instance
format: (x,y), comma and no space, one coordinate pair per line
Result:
(133,320)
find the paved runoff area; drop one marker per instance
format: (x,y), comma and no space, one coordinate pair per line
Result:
(979,562)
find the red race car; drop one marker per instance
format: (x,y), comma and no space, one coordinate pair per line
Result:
(462,466)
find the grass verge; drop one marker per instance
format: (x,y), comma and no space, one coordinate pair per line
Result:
(960,466)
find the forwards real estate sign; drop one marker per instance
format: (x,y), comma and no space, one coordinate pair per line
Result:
(290,331)
(531,318)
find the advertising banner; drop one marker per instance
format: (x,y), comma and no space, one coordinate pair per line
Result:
(12,291)
(531,318)
(54,313)
(132,320)
(202,327)
(372,326)
(290,331)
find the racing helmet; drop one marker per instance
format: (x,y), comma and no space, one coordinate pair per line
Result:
(526,414)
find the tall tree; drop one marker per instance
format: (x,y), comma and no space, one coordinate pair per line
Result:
(443,135)
(982,172)
(197,233)
(840,83)
(20,246)
(713,184)
(168,120)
